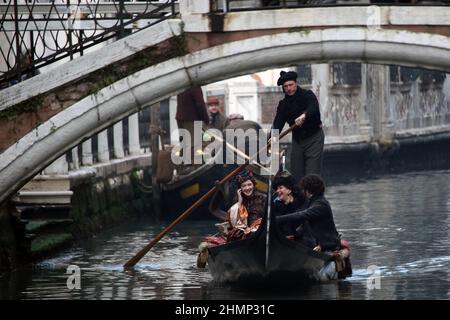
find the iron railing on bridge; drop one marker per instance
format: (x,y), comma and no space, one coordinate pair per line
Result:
(36,33)
(242,5)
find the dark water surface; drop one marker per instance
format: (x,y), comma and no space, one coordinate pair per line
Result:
(399,224)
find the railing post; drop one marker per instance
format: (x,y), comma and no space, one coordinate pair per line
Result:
(17,36)
(133,135)
(32,54)
(155,124)
(86,153)
(80,41)
(225,5)
(103,148)
(75,161)
(118,140)
(378,96)
(365,123)
(59,166)
(121,10)
(69,33)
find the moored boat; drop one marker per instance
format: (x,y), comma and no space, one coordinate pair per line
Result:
(180,194)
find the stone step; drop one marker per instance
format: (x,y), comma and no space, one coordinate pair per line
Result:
(43,197)
(44,245)
(44,212)
(41,226)
(45,189)
(48,183)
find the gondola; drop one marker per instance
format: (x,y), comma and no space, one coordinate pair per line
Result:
(267,256)
(180,194)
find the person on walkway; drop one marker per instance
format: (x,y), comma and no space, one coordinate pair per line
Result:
(301,107)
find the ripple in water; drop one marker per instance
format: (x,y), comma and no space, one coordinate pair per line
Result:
(398,223)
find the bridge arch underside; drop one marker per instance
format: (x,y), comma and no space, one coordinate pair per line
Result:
(32,153)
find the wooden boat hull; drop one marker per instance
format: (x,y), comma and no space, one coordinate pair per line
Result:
(244,261)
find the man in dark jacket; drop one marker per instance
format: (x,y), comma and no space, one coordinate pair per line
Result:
(190,108)
(317,215)
(301,107)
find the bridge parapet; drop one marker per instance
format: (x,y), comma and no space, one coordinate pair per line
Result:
(34,35)
(26,104)
(197,17)
(221,56)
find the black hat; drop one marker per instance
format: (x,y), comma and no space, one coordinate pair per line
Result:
(284,178)
(286,76)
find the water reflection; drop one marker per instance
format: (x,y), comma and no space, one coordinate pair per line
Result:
(399,223)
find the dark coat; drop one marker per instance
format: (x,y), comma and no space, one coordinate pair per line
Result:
(281,209)
(321,222)
(255,206)
(191,106)
(291,107)
(217,121)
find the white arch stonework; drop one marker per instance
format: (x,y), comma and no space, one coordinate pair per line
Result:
(36,150)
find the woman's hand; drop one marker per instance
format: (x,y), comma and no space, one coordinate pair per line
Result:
(239,195)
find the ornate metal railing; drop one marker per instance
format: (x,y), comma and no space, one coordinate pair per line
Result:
(36,33)
(242,5)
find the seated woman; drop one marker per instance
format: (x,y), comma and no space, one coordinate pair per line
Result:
(312,223)
(290,199)
(318,214)
(243,217)
(246,214)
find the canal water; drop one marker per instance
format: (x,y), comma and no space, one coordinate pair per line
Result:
(398,227)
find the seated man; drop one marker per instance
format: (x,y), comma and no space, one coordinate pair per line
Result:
(318,215)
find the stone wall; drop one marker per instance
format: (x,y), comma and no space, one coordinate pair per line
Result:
(340,116)
(353,111)
(111,195)
(269,98)
(13,248)
(103,196)
(415,105)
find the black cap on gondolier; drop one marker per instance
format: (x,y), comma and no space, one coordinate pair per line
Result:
(286,76)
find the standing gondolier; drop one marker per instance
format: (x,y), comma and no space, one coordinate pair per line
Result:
(191,108)
(301,107)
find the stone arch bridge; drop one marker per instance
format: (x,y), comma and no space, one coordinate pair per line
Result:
(41,118)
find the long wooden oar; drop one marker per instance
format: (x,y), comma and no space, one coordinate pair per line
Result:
(238,152)
(132,262)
